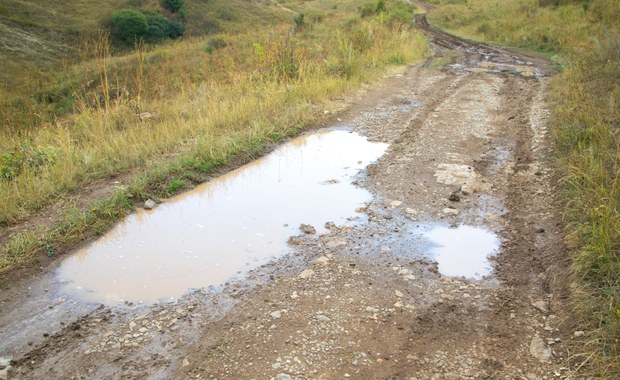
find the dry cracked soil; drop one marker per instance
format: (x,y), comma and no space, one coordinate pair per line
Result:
(469,151)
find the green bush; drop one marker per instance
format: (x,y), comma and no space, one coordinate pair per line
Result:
(160,27)
(173,6)
(129,25)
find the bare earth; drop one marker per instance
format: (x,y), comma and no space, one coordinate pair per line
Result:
(469,145)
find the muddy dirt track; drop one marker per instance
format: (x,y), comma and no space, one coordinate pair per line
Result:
(469,151)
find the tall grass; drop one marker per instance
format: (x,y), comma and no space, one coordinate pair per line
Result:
(187,105)
(584,37)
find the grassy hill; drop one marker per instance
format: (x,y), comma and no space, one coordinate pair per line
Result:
(583,36)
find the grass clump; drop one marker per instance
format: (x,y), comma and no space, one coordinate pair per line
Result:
(584,38)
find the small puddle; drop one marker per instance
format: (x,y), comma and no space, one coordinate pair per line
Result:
(227,226)
(463,251)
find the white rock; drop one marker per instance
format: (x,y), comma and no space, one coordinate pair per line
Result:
(398,294)
(541,306)
(283,376)
(321,260)
(336,244)
(579,334)
(150,204)
(323,318)
(276,314)
(306,274)
(294,295)
(185,362)
(395,204)
(539,349)
(450,211)
(410,211)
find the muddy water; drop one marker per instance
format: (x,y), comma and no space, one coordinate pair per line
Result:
(226,226)
(463,251)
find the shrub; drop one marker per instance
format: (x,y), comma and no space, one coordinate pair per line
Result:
(299,20)
(160,27)
(173,6)
(215,44)
(129,25)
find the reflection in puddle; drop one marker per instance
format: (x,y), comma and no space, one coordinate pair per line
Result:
(463,251)
(226,226)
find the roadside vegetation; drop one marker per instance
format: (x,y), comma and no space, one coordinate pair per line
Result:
(583,37)
(161,114)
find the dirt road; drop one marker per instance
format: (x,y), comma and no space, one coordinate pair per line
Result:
(469,155)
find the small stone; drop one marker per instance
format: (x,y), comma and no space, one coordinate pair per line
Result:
(150,204)
(539,349)
(307,229)
(395,204)
(323,318)
(283,376)
(185,362)
(321,260)
(276,314)
(294,295)
(371,309)
(410,211)
(541,306)
(276,365)
(455,197)
(336,244)
(398,304)
(450,211)
(579,334)
(398,294)
(306,274)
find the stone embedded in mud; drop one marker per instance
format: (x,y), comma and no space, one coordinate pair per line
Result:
(150,204)
(395,204)
(335,244)
(541,306)
(283,376)
(539,349)
(323,260)
(276,314)
(306,274)
(450,211)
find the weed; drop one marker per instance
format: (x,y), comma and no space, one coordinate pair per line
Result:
(175,186)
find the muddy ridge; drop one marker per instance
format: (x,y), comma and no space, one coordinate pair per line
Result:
(390,295)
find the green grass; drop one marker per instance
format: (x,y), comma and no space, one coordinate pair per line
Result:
(584,37)
(174,112)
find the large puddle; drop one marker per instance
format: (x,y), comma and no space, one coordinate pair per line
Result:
(226,226)
(463,251)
